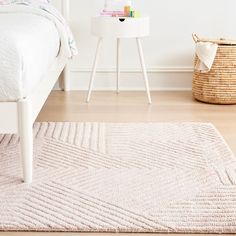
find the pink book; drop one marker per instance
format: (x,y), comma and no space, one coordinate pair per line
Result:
(112,13)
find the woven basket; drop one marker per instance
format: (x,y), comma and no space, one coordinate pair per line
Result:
(218,86)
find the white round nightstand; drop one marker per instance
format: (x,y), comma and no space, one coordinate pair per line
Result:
(120,27)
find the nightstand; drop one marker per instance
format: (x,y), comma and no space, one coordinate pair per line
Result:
(120,27)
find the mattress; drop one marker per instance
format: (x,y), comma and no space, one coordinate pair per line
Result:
(29,44)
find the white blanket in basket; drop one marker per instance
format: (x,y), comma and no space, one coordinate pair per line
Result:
(206,53)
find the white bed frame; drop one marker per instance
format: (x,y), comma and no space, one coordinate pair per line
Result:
(18,117)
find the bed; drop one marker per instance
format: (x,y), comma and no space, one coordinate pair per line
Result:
(32,57)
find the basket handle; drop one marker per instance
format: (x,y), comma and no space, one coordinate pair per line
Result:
(195,38)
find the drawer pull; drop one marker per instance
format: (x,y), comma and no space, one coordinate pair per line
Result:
(121,19)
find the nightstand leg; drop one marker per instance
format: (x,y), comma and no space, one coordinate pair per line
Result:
(140,49)
(118,67)
(94,69)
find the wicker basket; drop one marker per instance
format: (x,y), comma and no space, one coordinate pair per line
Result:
(218,86)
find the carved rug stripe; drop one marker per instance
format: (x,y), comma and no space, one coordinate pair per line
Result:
(134,177)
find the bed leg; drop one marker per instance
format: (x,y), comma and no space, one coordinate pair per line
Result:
(26,138)
(66,79)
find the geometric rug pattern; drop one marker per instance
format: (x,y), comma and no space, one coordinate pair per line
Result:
(134,177)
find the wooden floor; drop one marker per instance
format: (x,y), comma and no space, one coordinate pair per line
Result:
(133,107)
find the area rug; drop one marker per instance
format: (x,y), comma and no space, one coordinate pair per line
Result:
(101,177)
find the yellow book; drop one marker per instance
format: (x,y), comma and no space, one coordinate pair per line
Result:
(127,10)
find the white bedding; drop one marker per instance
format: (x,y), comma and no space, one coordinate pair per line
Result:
(32,34)
(29,44)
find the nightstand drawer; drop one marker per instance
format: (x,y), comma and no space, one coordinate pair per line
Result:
(120,27)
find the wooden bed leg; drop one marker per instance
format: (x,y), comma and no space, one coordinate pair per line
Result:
(66,79)
(25,129)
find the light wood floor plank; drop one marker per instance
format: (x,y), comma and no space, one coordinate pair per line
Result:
(133,107)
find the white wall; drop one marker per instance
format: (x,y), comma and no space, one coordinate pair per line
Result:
(168,51)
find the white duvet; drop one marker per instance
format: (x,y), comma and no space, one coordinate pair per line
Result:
(30,40)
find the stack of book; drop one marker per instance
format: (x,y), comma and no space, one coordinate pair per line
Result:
(119,8)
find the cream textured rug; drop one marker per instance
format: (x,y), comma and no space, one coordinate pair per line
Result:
(164,177)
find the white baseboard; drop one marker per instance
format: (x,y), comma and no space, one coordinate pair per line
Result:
(166,79)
